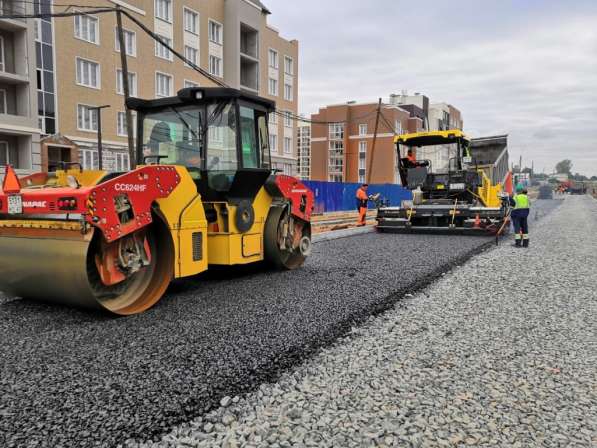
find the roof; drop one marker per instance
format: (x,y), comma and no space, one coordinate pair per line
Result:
(262,6)
(431,138)
(189,96)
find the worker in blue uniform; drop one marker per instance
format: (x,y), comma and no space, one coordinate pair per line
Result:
(520,214)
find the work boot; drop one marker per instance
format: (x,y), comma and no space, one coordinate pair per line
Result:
(517,243)
(525,243)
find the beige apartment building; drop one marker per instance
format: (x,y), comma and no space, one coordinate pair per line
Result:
(342,151)
(19,133)
(230,39)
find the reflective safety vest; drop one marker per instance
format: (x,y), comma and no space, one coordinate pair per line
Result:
(522,201)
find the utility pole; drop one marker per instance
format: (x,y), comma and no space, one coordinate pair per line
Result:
(374,142)
(100,149)
(125,88)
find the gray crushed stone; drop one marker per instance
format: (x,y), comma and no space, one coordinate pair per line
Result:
(499,352)
(71,378)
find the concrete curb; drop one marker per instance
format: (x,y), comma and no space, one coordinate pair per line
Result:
(345,233)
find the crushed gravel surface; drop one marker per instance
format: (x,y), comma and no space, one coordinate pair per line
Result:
(499,352)
(72,378)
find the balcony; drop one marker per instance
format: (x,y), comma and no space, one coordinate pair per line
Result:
(14,66)
(249,42)
(249,74)
(16,151)
(10,7)
(14,102)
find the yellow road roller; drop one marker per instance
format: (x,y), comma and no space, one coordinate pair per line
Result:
(203,193)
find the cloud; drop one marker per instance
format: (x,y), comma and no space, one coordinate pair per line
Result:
(528,68)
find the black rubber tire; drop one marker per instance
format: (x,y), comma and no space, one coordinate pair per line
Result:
(273,254)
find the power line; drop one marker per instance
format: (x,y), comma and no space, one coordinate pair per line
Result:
(65,13)
(157,38)
(92,10)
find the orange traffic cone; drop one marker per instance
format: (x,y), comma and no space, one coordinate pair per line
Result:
(11,182)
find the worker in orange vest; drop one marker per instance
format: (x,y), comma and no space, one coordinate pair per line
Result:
(362,198)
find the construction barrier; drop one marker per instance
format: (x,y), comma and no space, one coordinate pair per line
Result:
(339,196)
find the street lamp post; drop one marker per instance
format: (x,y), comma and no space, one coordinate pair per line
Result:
(98,109)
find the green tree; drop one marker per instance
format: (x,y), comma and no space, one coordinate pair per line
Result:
(565,166)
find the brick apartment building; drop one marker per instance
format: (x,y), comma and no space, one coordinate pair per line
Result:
(78,68)
(341,152)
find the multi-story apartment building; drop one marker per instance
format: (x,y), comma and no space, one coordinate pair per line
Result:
(230,39)
(19,132)
(444,116)
(441,117)
(342,150)
(417,106)
(303,144)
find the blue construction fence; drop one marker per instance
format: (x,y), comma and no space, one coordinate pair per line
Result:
(340,196)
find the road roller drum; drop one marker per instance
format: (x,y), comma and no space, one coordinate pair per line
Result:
(114,241)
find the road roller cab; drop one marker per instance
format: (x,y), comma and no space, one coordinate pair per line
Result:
(204,193)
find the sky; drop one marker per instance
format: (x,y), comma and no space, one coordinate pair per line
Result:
(527,68)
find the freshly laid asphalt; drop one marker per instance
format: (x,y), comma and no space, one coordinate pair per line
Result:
(71,378)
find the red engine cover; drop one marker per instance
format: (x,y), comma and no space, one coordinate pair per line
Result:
(140,187)
(300,196)
(136,190)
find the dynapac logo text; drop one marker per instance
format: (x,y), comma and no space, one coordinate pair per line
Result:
(35,204)
(130,187)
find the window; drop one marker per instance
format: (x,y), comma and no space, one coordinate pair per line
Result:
(273,142)
(86,118)
(362,155)
(191,21)
(4,154)
(362,147)
(86,28)
(221,151)
(132,83)
(287,92)
(215,66)
(88,73)
(288,65)
(336,146)
(288,119)
(215,32)
(362,129)
(121,129)
(121,160)
(1,54)
(336,131)
(90,159)
(163,10)
(287,145)
(3,109)
(174,132)
(188,84)
(191,55)
(398,127)
(130,42)
(163,84)
(250,136)
(161,51)
(273,118)
(273,87)
(273,58)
